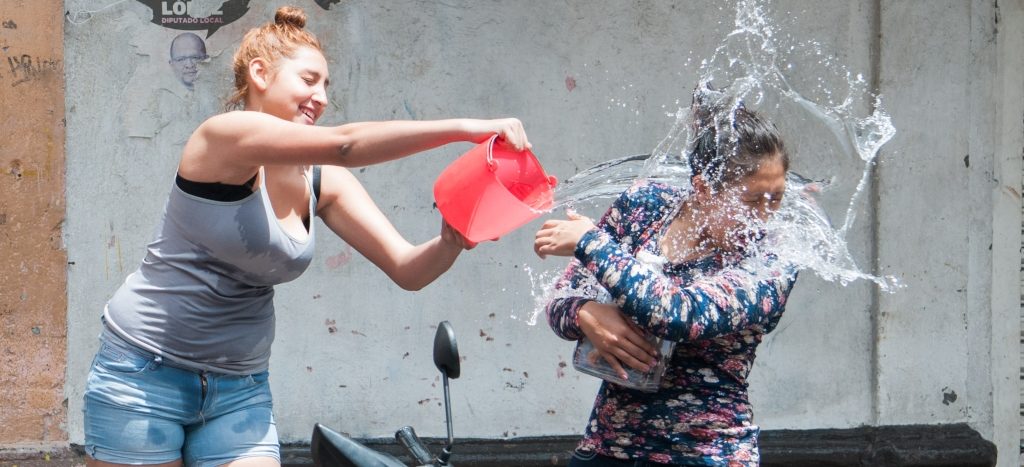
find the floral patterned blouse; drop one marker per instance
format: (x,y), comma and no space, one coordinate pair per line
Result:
(715,308)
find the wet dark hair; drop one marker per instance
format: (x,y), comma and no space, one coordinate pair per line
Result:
(728,141)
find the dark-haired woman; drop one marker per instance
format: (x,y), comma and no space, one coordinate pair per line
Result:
(181,375)
(676,264)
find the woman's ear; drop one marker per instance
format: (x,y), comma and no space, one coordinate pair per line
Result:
(259,74)
(702,192)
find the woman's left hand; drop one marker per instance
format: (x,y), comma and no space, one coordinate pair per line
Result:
(452,237)
(559,237)
(616,338)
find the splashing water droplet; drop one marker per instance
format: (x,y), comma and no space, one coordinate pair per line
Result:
(751,63)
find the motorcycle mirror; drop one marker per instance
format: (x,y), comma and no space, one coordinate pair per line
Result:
(446,350)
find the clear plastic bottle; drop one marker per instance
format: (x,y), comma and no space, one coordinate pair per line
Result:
(587,360)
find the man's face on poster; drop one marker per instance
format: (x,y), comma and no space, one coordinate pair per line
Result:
(187,50)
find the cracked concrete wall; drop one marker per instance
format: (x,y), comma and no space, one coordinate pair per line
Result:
(592,81)
(33,300)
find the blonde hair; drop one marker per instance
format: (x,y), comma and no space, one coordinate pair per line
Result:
(270,42)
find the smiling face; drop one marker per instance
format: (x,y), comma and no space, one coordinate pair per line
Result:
(293,88)
(733,215)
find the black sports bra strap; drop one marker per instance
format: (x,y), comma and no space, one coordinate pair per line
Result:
(216,191)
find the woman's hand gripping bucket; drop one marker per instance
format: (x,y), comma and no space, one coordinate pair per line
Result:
(492,189)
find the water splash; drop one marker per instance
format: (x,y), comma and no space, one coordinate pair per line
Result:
(755,67)
(540,291)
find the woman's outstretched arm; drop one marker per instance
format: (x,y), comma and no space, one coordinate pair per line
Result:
(347,209)
(228,147)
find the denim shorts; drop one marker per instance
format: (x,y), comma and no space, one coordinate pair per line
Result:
(140,411)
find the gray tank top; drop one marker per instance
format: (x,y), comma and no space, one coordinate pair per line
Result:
(203,297)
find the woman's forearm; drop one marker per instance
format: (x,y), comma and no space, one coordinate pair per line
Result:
(424,263)
(720,304)
(367,143)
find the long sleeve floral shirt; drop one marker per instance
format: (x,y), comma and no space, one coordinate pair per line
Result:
(716,310)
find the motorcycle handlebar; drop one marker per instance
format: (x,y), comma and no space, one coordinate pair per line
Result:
(407,436)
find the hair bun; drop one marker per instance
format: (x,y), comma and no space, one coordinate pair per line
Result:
(707,103)
(290,16)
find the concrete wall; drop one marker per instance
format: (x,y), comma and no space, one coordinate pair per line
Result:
(592,81)
(943,349)
(33,304)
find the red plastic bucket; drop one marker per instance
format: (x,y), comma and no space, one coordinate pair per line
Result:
(492,190)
